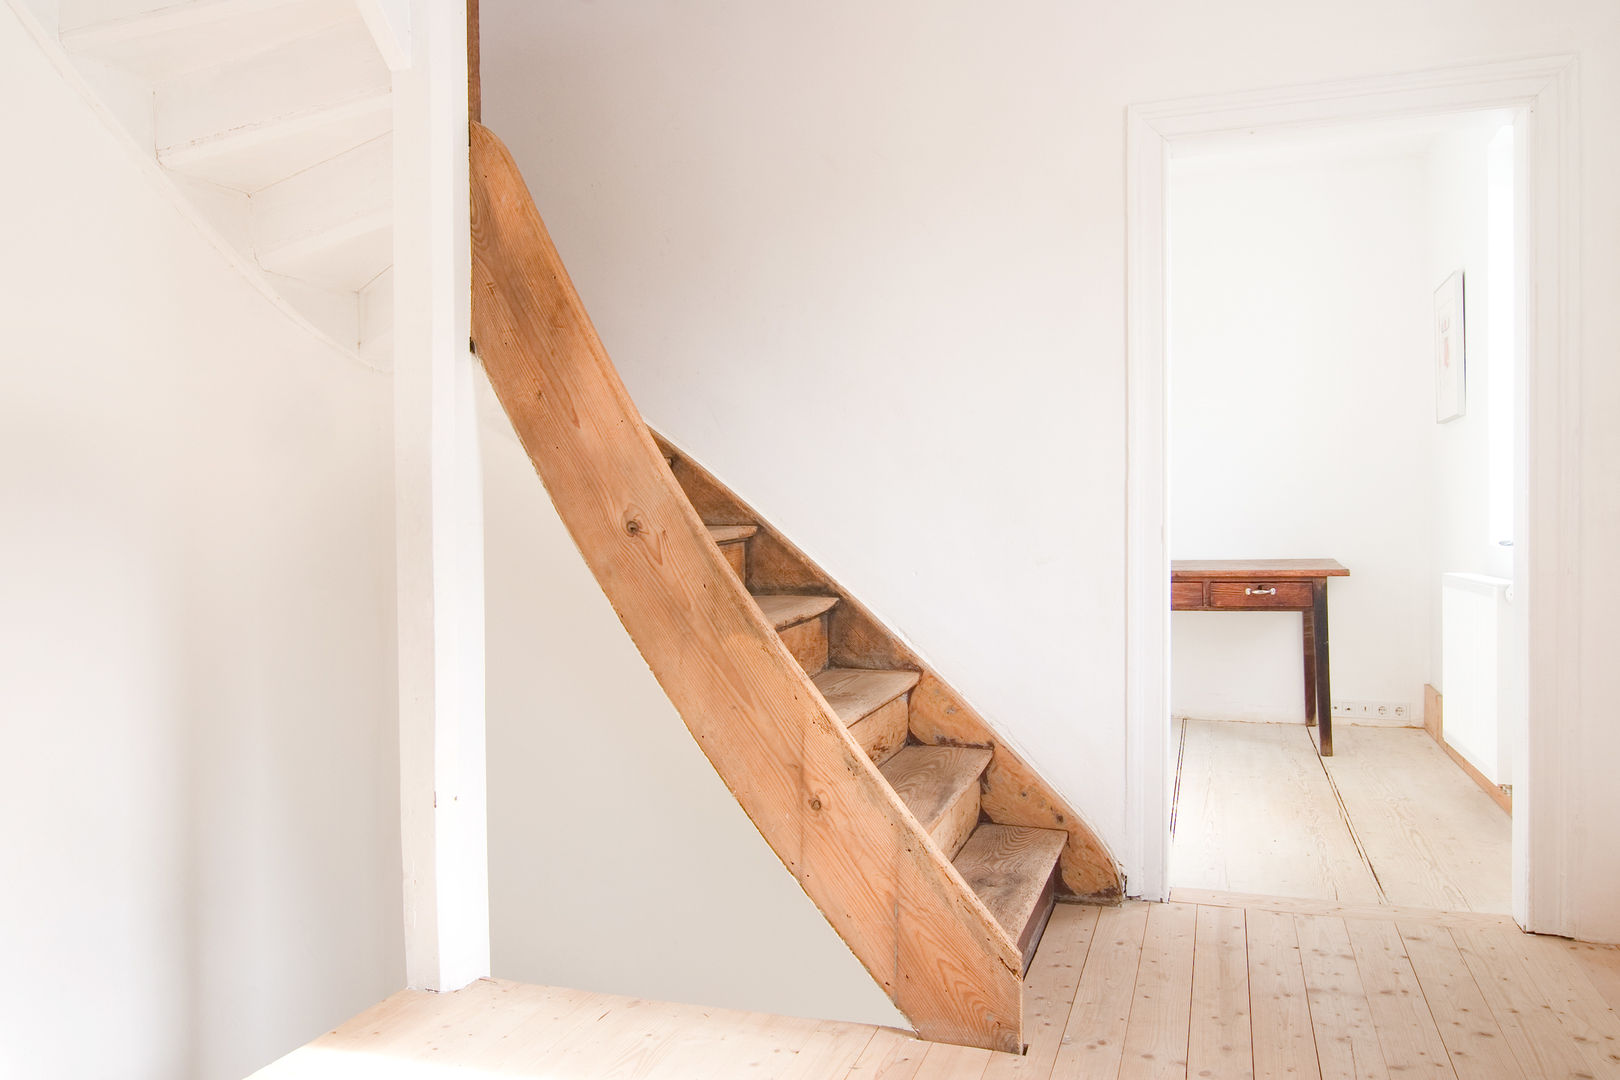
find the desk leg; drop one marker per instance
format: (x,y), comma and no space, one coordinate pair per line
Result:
(1308,617)
(1324,692)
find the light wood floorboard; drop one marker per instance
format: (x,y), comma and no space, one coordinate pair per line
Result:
(1184,991)
(1432,836)
(1256,814)
(1389,819)
(1218,1045)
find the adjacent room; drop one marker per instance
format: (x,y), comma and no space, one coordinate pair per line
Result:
(1344,341)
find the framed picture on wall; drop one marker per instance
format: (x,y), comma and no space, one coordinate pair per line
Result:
(1450,350)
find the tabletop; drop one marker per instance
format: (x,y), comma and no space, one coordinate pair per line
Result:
(1190,569)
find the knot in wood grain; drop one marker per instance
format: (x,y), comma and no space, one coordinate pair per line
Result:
(815,804)
(632,522)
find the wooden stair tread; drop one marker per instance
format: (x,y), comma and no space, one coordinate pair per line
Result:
(726,534)
(785,610)
(929,779)
(1009,866)
(856,692)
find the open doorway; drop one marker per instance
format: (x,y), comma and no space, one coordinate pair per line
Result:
(1547,525)
(1343,347)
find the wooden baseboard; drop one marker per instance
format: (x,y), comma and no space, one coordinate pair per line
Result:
(1434,724)
(1432,714)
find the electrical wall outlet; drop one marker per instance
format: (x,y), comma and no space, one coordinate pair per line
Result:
(1390,713)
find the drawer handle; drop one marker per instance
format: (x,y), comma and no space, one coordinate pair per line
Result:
(1260,592)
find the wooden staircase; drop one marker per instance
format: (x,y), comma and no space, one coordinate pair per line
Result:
(932,848)
(1012,868)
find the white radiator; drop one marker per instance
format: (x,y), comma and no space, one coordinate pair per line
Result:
(1478,671)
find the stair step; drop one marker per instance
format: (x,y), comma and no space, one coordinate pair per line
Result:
(940,784)
(873,705)
(163,40)
(729,534)
(1014,871)
(733,543)
(791,609)
(248,125)
(801,622)
(331,225)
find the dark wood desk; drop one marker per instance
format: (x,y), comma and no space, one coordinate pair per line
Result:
(1270,585)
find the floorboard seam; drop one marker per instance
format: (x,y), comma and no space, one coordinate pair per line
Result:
(1349,826)
(1175,794)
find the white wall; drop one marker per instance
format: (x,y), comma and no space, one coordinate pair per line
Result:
(1473,454)
(1458,240)
(867,261)
(618,860)
(1301,411)
(200,850)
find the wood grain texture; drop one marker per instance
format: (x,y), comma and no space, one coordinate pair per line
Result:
(1094,1038)
(1392,912)
(788,610)
(799,620)
(730,534)
(1280,1014)
(1545,1042)
(941,786)
(1274,594)
(803,780)
(1014,793)
(1107,997)
(891,1055)
(807,642)
(1473,1038)
(1218,1032)
(1256,815)
(1433,717)
(1433,838)
(953,1063)
(1389,819)
(1236,569)
(1156,1038)
(1435,724)
(732,540)
(1010,868)
(856,692)
(1411,1043)
(736,555)
(1049,993)
(1187,595)
(831,1050)
(954,827)
(1347,1044)
(1601,963)
(873,704)
(882,732)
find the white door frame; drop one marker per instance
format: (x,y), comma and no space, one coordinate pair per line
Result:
(1546,557)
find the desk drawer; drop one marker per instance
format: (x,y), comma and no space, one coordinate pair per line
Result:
(1186,595)
(1287,595)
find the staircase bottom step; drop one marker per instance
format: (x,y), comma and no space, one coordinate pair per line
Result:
(1013,869)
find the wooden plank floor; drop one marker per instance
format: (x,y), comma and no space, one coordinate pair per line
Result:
(1231,989)
(1389,819)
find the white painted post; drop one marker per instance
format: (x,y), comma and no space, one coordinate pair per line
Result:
(438,515)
